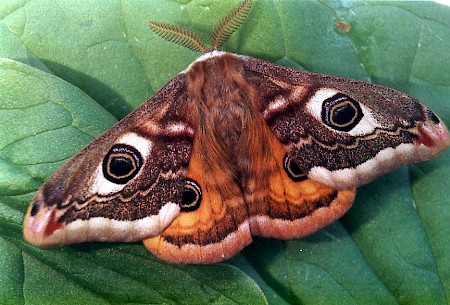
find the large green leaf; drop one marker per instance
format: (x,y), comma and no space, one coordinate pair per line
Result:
(63,60)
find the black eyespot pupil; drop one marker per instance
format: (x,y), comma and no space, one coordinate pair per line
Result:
(192,196)
(292,169)
(341,112)
(121,163)
(121,166)
(189,196)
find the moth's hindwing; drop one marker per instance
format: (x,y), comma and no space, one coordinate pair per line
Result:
(217,221)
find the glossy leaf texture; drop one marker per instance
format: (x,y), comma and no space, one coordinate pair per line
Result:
(70,71)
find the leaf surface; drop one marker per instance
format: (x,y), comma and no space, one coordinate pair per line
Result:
(70,70)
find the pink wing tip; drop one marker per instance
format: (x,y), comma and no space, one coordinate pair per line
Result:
(40,224)
(433,134)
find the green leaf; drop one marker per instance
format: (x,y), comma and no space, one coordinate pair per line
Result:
(40,112)
(62,61)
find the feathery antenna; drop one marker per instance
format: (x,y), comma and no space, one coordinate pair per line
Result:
(221,32)
(181,36)
(229,24)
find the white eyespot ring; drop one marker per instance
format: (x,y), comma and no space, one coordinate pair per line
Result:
(192,196)
(100,184)
(360,120)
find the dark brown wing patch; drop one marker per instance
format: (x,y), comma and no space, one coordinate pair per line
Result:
(80,202)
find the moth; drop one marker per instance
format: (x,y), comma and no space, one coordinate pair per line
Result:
(230,148)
